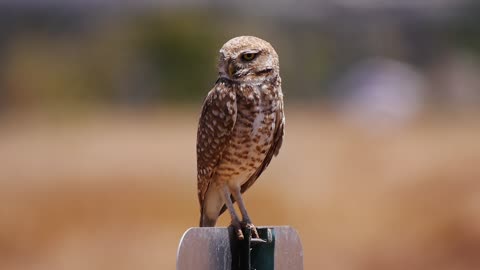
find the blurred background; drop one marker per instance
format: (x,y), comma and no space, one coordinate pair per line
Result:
(99,102)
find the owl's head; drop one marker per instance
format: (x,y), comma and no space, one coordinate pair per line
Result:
(248,59)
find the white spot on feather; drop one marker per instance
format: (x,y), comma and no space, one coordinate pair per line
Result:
(257,123)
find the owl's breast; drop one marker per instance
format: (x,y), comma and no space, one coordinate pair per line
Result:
(251,139)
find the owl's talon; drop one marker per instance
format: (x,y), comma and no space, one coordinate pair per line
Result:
(240,235)
(237,228)
(253,229)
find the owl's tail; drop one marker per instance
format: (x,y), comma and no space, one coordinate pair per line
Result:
(205,221)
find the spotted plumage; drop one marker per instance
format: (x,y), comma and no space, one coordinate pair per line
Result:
(240,129)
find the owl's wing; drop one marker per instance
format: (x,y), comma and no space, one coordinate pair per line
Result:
(273,151)
(219,114)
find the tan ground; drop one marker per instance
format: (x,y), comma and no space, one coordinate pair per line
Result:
(117,190)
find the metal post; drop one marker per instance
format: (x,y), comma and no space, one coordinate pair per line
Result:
(278,248)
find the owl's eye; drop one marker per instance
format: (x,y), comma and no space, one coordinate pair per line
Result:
(248,56)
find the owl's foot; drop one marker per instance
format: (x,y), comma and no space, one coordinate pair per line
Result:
(252,228)
(237,228)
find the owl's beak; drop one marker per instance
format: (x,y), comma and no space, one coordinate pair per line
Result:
(231,69)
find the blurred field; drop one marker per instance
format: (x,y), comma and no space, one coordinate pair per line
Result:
(116,190)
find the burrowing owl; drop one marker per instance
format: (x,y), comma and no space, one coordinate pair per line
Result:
(241,128)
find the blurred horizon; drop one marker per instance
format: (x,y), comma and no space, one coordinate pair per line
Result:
(140,53)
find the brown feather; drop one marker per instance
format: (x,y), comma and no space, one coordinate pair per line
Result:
(273,151)
(216,123)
